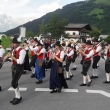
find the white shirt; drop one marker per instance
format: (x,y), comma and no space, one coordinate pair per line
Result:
(98,48)
(71,53)
(43,50)
(91,53)
(33,49)
(61,54)
(21,55)
(2,51)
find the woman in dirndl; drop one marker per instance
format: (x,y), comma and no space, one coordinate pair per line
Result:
(57,80)
(40,64)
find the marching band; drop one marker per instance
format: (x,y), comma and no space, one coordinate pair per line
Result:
(51,56)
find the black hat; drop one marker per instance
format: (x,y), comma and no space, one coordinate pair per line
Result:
(89,42)
(69,45)
(36,40)
(25,41)
(58,44)
(83,40)
(16,40)
(95,40)
(39,44)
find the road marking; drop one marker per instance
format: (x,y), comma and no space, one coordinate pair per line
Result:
(21,89)
(48,90)
(99,92)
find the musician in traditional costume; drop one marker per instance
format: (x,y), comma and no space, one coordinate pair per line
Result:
(48,61)
(33,47)
(18,58)
(69,56)
(88,53)
(26,63)
(40,64)
(57,80)
(96,58)
(2,52)
(75,47)
(107,65)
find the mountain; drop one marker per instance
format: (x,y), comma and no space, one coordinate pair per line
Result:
(94,12)
(7,22)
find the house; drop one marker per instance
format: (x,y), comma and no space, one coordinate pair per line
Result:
(77,30)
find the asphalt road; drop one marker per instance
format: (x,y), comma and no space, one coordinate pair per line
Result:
(96,97)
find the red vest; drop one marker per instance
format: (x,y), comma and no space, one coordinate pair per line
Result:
(16,55)
(98,53)
(87,52)
(49,54)
(108,54)
(41,56)
(57,56)
(32,52)
(69,57)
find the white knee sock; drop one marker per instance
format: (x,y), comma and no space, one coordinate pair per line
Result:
(67,74)
(93,72)
(74,65)
(70,73)
(64,62)
(17,93)
(84,79)
(108,77)
(33,70)
(96,72)
(89,80)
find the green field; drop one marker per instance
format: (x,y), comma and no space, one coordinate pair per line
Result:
(107,2)
(98,12)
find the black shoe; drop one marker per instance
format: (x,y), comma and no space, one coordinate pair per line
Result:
(53,91)
(0,88)
(93,77)
(89,83)
(24,72)
(82,84)
(107,82)
(71,76)
(16,101)
(33,76)
(12,100)
(59,90)
(74,68)
(39,82)
(67,78)
(96,76)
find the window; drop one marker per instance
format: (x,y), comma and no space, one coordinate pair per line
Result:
(74,33)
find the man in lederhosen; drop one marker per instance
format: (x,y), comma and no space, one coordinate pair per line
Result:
(107,65)
(18,58)
(96,58)
(33,47)
(88,53)
(69,56)
(2,51)
(75,47)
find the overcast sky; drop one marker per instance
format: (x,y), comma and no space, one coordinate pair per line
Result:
(29,8)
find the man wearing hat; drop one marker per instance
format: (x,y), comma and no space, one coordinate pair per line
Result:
(18,58)
(96,57)
(88,53)
(107,65)
(69,56)
(33,47)
(2,52)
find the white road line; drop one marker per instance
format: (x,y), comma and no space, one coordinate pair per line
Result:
(21,89)
(63,90)
(99,92)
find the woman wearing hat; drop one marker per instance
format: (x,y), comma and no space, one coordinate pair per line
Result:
(69,56)
(40,63)
(57,80)
(87,63)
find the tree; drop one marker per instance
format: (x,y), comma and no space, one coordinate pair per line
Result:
(30,34)
(42,27)
(107,39)
(95,33)
(56,27)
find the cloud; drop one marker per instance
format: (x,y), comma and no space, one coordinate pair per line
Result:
(49,7)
